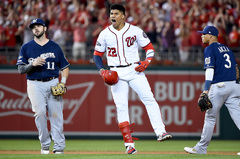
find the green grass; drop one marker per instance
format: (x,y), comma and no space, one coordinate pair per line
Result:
(118,146)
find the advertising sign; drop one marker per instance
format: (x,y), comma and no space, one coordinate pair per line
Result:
(89,108)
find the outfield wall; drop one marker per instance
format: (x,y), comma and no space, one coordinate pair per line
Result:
(89,109)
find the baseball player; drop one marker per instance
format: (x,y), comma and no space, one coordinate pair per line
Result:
(42,59)
(120,41)
(221,85)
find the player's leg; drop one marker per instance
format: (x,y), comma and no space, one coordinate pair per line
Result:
(120,96)
(55,113)
(233,102)
(217,98)
(141,86)
(37,98)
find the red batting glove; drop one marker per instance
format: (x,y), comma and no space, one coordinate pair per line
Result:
(142,66)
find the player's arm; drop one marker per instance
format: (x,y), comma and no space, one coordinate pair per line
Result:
(25,68)
(149,52)
(208,79)
(149,56)
(28,67)
(60,88)
(97,57)
(64,75)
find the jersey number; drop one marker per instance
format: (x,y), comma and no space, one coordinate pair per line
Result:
(112,52)
(228,60)
(50,65)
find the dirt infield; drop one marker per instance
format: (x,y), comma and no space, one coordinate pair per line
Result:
(113,152)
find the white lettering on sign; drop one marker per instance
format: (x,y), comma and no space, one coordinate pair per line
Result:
(175,115)
(19,103)
(170,115)
(22,105)
(173,91)
(179,91)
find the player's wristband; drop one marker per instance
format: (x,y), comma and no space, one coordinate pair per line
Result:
(98,61)
(207,85)
(64,79)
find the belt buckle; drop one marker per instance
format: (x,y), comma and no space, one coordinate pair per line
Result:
(47,79)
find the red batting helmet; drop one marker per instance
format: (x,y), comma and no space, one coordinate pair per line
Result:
(110,77)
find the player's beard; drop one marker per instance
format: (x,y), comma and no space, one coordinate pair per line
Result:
(39,35)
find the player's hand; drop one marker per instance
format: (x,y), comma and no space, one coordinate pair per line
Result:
(39,62)
(102,72)
(205,91)
(142,66)
(59,89)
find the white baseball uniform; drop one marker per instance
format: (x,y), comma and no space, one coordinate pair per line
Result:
(121,47)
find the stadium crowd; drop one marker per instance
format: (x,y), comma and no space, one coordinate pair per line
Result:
(171,25)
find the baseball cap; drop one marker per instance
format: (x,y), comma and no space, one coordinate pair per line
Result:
(36,21)
(210,30)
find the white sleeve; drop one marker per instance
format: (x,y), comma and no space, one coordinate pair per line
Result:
(142,37)
(209,74)
(100,44)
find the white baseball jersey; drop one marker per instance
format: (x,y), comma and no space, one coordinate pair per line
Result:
(121,46)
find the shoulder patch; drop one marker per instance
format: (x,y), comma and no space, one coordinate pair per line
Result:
(207,60)
(144,35)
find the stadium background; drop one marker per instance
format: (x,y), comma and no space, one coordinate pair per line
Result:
(171,25)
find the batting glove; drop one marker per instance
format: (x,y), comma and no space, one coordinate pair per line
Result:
(142,66)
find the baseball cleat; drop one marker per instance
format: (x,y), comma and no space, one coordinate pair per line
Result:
(238,153)
(131,150)
(58,152)
(44,151)
(190,150)
(164,136)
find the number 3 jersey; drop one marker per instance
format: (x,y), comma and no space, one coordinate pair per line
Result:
(222,60)
(121,46)
(51,52)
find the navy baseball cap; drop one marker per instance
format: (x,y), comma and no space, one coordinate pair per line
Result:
(36,21)
(210,30)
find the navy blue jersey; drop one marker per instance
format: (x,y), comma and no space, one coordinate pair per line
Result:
(51,52)
(222,60)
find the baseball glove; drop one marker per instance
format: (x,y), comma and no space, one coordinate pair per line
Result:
(110,77)
(204,102)
(59,89)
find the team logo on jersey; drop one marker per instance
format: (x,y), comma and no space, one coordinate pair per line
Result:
(47,55)
(43,56)
(98,43)
(144,35)
(207,60)
(130,40)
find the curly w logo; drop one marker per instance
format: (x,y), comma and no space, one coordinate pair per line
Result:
(130,40)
